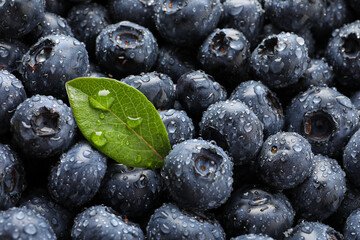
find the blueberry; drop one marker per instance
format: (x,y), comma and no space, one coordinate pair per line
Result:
(321,193)
(186,22)
(11,52)
(175,61)
(170,222)
(42,127)
(350,159)
(131,191)
(312,230)
(59,218)
(252,237)
(178,125)
(280,60)
(196,91)
(253,210)
(235,128)
(22,223)
(12,93)
(50,24)
(51,62)
(343,51)
(19,17)
(263,102)
(12,181)
(298,14)
(157,87)
(225,54)
(87,20)
(126,48)
(59,7)
(247,16)
(77,177)
(137,11)
(317,73)
(325,117)
(352,227)
(198,174)
(355,99)
(285,160)
(101,222)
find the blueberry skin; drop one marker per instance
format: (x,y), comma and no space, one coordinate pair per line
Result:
(59,218)
(263,102)
(22,223)
(235,128)
(12,93)
(171,222)
(87,20)
(225,54)
(42,127)
(19,17)
(253,210)
(77,177)
(126,48)
(131,191)
(355,99)
(50,24)
(321,193)
(285,160)
(157,87)
(59,7)
(137,11)
(318,73)
(51,62)
(312,230)
(247,16)
(298,14)
(179,126)
(101,222)
(342,53)
(325,117)
(196,91)
(351,159)
(351,228)
(280,60)
(252,237)
(187,22)
(175,61)
(11,52)
(198,174)
(13,181)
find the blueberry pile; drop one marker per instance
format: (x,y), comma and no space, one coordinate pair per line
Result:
(260,100)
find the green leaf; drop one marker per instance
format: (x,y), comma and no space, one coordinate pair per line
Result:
(119,121)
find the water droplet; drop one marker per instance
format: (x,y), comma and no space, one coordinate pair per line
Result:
(171,127)
(102,116)
(102,100)
(87,153)
(297,148)
(30,229)
(20,215)
(316,99)
(133,122)
(16,83)
(248,127)
(281,46)
(165,228)
(344,101)
(98,138)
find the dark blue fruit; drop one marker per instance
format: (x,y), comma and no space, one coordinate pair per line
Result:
(77,177)
(235,128)
(321,193)
(101,222)
(186,22)
(351,161)
(325,117)
(11,52)
(25,224)
(12,180)
(157,87)
(263,102)
(169,222)
(198,174)
(126,48)
(51,62)
(352,226)
(253,210)
(280,60)
(285,160)
(131,191)
(12,93)
(312,230)
(42,127)
(252,237)
(178,125)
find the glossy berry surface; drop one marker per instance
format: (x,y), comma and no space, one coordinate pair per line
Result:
(252,237)
(171,222)
(350,159)
(11,52)
(312,230)
(198,174)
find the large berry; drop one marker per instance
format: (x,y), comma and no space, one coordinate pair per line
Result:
(312,230)
(351,161)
